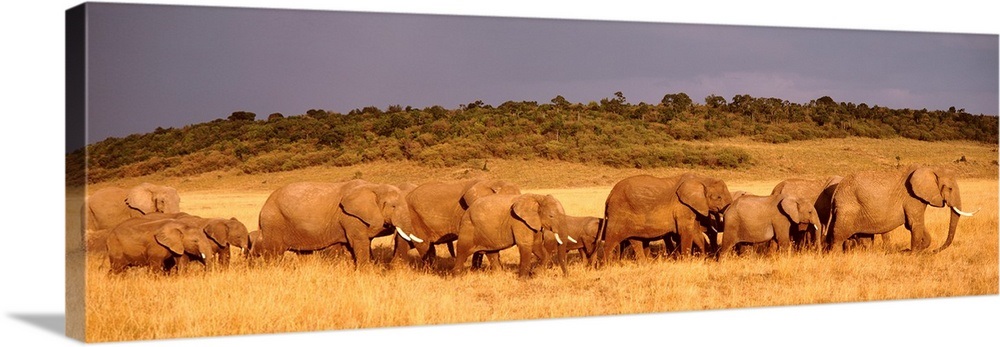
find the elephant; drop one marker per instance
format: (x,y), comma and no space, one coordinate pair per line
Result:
(878,202)
(109,206)
(646,208)
(820,192)
(221,232)
(500,221)
(436,208)
(310,216)
(758,219)
(158,243)
(224,233)
(580,235)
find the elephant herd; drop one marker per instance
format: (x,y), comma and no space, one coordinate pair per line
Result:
(479,218)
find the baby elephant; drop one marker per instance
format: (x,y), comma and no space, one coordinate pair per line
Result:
(157,243)
(755,219)
(222,233)
(581,233)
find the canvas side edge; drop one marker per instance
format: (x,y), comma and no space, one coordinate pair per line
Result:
(76,35)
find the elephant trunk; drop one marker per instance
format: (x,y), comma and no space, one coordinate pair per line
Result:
(956,212)
(561,247)
(399,220)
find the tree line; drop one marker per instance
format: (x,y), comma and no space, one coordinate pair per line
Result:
(613,132)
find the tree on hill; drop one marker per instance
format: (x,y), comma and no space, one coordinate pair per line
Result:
(242,116)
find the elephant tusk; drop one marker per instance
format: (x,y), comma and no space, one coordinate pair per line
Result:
(963,213)
(571,239)
(706,238)
(203,256)
(815,226)
(416,239)
(558,239)
(722,219)
(401,233)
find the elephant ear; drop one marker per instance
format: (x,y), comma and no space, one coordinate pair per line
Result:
(692,193)
(924,184)
(171,237)
(218,232)
(526,207)
(790,207)
(141,198)
(362,203)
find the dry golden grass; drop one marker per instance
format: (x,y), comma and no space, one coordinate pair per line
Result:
(316,292)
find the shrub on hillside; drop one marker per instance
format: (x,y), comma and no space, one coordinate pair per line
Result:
(202,162)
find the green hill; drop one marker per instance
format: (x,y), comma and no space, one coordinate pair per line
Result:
(610,132)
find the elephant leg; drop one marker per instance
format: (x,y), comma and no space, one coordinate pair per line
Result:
(561,258)
(837,232)
(700,242)
(429,255)
(361,248)
(713,241)
(426,252)
(865,241)
(175,264)
(727,245)
(544,259)
(494,258)
(527,258)
(919,238)
(463,249)
(400,248)
(799,238)
(477,261)
(609,247)
(224,257)
(641,250)
(690,232)
(885,240)
(838,241)
(784,242)
(687,246)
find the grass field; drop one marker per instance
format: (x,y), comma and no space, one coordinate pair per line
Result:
(318,292)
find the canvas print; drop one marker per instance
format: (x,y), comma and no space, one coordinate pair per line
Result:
(293,170)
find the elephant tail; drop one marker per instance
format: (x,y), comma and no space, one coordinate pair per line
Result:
(824,233)
(602,230)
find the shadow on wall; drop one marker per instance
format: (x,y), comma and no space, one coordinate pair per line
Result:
(51,322)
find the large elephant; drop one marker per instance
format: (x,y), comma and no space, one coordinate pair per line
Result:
(758,219)
(159,243)
(580,234)
(436,208)
(819,192)
(108,207)
(497,222)
(648,208)
(311,216)
(878,202)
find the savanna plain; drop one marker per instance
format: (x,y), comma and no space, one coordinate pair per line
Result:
(324,291)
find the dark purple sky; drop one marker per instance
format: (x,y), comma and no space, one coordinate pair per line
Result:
(168,66)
